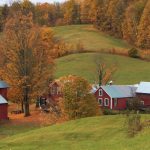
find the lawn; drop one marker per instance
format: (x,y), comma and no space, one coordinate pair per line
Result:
(129,70)
(97,133)
(7,129)
(91,38)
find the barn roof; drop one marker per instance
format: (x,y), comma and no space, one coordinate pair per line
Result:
(144,87)
(3,100)
(3,84)
(120,91)
(94,88)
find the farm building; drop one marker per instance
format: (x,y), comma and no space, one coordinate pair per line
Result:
(3,100)
(115,96)
(55,90)
(143,92)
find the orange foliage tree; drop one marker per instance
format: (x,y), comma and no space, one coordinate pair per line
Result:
(27,64)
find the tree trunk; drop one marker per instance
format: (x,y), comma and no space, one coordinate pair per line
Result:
(22,106)
(26,103)
(26,110)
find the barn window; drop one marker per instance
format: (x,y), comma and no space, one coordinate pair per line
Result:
(106,102)
(115,102)
(54,90)
(100,92)
(100,101)
(142,103)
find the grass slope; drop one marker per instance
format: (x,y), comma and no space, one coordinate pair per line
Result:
(129,70)
(98,133)
(91,38)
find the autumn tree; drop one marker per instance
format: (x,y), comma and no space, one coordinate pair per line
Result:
(104,72)
(85,7)
(143,38)
(3,16)
(27,64)
(78,101)
(71,12)
(97,13)
(131,21)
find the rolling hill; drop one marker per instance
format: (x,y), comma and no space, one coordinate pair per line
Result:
(129,70)
(92,39)
(97,133)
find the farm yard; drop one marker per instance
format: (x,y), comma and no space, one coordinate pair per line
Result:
(17,123)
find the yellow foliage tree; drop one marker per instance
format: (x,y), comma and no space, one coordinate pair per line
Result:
(78,102)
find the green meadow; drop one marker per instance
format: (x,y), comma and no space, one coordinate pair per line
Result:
(92,39)
(129,70)
(97,133)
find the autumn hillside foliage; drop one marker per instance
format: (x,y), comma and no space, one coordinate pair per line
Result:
(126,19)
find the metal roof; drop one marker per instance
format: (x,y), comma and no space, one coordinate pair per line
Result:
(94,88)
(120,91)
(144,87)
(3,84)
(3,100)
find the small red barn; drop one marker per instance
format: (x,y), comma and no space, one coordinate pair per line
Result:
(3,108)
(114,96)
(55,90)
(3,100)
(143,92)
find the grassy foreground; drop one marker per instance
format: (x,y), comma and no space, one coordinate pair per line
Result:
(91,38)
(129,70)
(98,133)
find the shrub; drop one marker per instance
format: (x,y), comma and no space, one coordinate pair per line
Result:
(133,124)
(133,53)
(134,104)
(107,111)
(79,47)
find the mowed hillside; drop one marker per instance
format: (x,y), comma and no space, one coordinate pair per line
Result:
(129,70)
(92,39)
(97,133)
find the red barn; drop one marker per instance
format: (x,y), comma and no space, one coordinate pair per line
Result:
(115,96)
(3,108)
(55,90)
(3,100)
(143,92)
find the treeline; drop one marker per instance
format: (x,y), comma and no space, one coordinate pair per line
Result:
(126,19)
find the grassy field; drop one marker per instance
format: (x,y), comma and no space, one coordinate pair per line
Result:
(98,133)
(7,130)
(91,38)
(129,70)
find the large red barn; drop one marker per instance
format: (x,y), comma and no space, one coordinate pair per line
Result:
(114,96)
(3,100)
(143,92)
